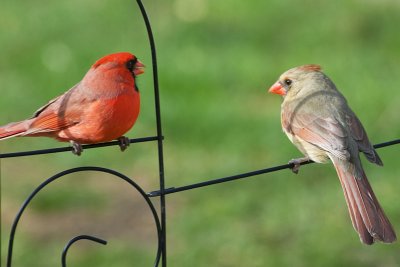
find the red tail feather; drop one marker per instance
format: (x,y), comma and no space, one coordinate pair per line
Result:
(13,129)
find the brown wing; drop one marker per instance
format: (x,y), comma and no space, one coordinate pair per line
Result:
(325,133)
(360,136)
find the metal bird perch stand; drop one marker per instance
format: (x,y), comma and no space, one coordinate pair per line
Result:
(161,192)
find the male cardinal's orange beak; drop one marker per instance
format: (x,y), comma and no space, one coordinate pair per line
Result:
(277,88)
(138,68)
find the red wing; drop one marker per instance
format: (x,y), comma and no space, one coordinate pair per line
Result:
(43,108)
(49,123)
(59,113)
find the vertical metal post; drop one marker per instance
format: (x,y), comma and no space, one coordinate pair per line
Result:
(159,132)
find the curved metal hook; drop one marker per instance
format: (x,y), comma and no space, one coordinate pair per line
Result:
(82,169)
(73,240)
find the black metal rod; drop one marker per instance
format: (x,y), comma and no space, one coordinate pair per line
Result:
(69,148)
(159,131)
(245,175)
(385,144)
(82,169)
(73,240)
(222,180)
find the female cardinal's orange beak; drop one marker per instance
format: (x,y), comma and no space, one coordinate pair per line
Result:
(138,68)
(277,88)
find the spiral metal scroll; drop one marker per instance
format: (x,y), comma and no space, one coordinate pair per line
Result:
(75,239)
(83,169)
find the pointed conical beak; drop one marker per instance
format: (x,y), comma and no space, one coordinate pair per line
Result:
(277,88)
(139,68)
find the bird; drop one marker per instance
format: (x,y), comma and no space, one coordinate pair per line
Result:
(102,107)
(319,122)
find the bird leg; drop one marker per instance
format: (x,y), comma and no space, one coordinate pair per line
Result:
(297,163)
(124,142)
(76,148)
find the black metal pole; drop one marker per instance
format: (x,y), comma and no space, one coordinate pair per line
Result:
(159,132)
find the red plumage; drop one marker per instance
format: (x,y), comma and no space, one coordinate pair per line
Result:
(103,106)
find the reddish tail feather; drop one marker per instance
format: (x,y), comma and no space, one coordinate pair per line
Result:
(367,216)
(13,129)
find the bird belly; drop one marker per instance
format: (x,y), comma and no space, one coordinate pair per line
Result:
(104,120)
(313,152)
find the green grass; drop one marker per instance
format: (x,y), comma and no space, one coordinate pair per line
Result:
(216,60)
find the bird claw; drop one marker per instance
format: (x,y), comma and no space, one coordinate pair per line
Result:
(76,148)
(124,142)
(297,163)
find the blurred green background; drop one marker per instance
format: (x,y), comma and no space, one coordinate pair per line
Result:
(216,60)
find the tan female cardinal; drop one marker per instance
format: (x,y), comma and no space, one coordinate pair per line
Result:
(103,106)
(316,118)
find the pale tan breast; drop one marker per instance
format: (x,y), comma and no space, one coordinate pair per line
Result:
(313,152)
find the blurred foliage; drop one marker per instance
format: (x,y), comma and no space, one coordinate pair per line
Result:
(216,60)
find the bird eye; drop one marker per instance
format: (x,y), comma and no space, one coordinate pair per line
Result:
(130,65)
(288,82)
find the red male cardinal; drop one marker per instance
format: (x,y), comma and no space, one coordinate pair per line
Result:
(101,107)
(316,118)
